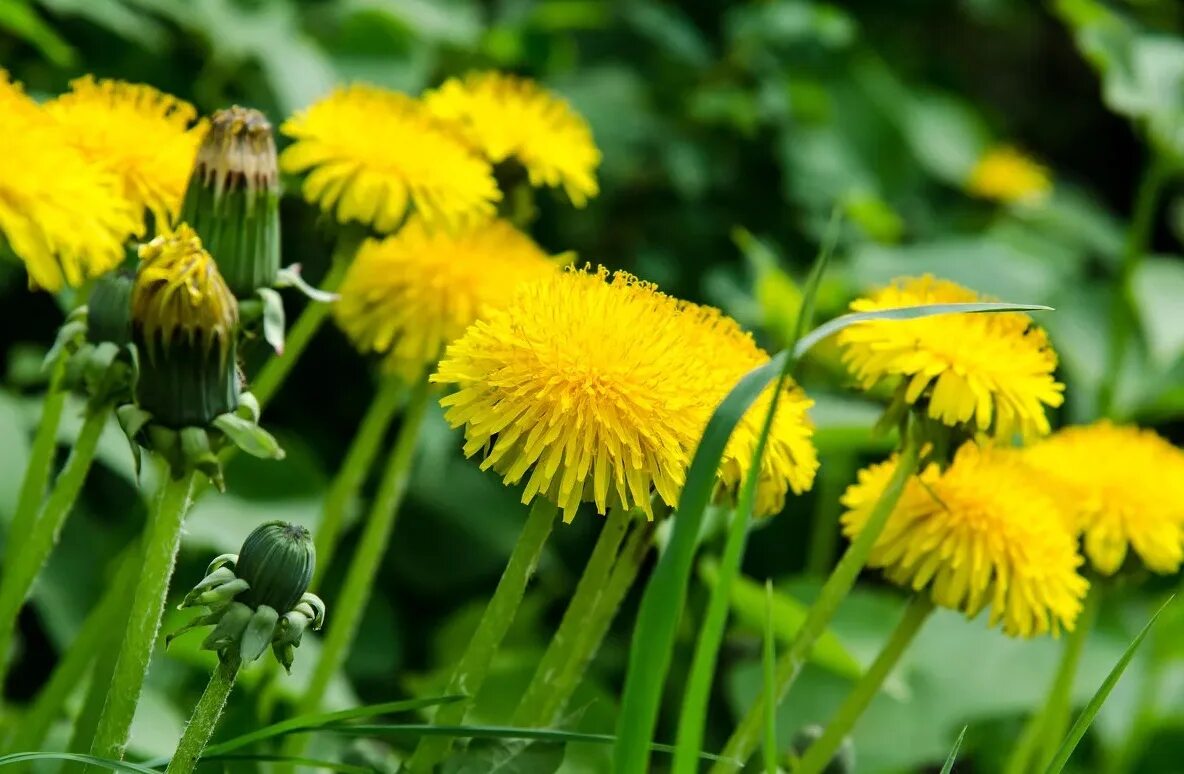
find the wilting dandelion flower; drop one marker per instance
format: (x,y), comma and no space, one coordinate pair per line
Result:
(1004,174)
(597,389)
(373,156)
(510,117)
(990,372)
(982,534)
(1125,489)
(144,136)
(411,294)
(64,217)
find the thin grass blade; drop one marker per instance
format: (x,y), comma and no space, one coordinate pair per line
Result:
(315,763)
(769,662)
(25,757)
(948,766)
(1077,732)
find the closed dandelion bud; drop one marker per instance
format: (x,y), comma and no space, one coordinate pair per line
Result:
(109,309)
(183,323)
(232,200)
(843,761)
(277,560)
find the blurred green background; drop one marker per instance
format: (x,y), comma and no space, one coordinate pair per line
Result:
(731,132)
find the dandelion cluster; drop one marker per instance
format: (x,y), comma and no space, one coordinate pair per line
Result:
(1006,175)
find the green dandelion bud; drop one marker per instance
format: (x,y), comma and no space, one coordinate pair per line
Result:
(259,597)
(232,200)
(843,761)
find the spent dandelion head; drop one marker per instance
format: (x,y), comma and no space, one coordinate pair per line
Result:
(1124,487)
(408,296)
(983,534)
(990,373)
(586,385)
(373,156)
(64,217)
(1006,175)
(508,117)
(147,138)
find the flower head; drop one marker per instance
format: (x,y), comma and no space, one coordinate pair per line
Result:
(1006,175)
(511,117)
(62,215)
(374,155)
(1125,489)
(410,295)
(983,533)
(145,137)
(991,372)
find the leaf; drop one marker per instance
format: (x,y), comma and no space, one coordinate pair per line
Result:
(1082,724)
(273,319)
(319,765)
(25,757)
(769,673)
(948,766)
(19,18)
(1158,286)
(249,437)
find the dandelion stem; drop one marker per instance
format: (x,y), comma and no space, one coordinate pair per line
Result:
(205,716)
(351,602)
(265,385)
(833,477)
(491,630)
(43,536)
(161,541)
(748,733)
(820,753)
(37,471)
(358,460)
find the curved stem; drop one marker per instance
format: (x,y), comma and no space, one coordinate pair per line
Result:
(491,630)
(346,612)
(161,541)
(43,535)
(748,733)
(349,479)
(38,469)
(534,708)
(205,717)
(820,753)
(267,382)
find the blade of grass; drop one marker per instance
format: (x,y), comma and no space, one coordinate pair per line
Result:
(1077,732)
(948,766)
(769,662)
(665,594)
(317,764)
(105,763)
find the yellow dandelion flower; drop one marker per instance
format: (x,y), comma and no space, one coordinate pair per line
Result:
(1125,487)
(983,533)
(65,218)
(1006,175)
(411,294)
(144,136)
(507,116)
(992,372)
(790,459)
(373,155)
(588,386)
(179,296)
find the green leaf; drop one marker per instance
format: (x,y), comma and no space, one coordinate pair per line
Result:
(273,319)
(768,671)
(948,766)
(19,18)
(25,757)
(1158,286)
(319,765)
(249,437)
(1082,724)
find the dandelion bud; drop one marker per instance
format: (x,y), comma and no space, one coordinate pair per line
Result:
(109,309)
(183,322)
(843,761)
(277,560)
(232,200)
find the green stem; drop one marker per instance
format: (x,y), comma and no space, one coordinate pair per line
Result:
(1044,731)
(491,630)
(820,753)
(748,733)
(267,382)
(92,637)
(205,717)
(161,541)
(769,672)
(532,711)
(824,530)
(1122,310)
(359,580)
(38,544)
(38,470)
(352,475)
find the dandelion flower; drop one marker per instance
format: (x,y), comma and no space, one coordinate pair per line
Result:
(410,295)
(1006,175)
(1125,487)
(374,155)
(991,372)
(145,137)
(982,534)
(511,117)
(65,218)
